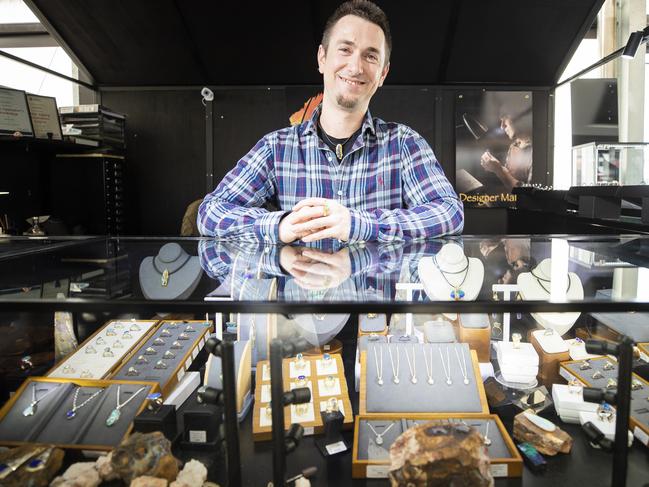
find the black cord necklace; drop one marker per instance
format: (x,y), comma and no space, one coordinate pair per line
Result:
(331,143)
(164,279)
(457,292)
(540,280)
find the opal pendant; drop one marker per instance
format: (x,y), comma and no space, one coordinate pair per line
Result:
(339,155)
(379,440)
(380,382)
(35,464)
(466,382)
(395,380)
(30,410)
(113,417)
(487,441)
(70,414)
(449,382)
(164,280)
(431,381)
(457,294)
(413,380)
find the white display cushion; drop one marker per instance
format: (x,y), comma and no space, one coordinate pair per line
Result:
(577,350)
(439,331)
(509,355)
(530,371)
(474,320)
(606,427)
(550,342)
(96,364)
(518,378)
(571,402)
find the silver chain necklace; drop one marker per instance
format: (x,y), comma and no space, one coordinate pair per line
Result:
(379,368)
(379,436)
(447,365)
(115,414)
(429,366)
(73,412)
(487,441)
(33,405)
(465,372)
(412,366)
(395,370)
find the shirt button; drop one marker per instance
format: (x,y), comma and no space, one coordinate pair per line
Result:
(340,192)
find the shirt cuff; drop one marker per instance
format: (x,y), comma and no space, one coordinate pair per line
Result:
(267,226)
(364,227)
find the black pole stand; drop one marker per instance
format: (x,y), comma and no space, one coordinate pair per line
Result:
(621,399)
(225,350)
(283,443)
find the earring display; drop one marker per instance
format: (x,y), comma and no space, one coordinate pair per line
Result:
(102,352)
(450,384)
(327,389)
(374,436)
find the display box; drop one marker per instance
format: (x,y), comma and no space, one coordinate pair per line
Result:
(596,164)
(552,350)
(505,459)
(475,329)
(102,352)
(326,379)
(86,429)
(372,324)
(167,353)
(421,398)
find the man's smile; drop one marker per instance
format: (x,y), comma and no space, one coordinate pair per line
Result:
(351,82)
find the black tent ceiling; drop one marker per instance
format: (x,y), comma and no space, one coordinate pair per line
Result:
(205,42)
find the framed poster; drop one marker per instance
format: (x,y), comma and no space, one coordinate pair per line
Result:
(45,117)
(493,151)
(14,113)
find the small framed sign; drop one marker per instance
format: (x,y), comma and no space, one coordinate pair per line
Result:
(14,113)
(45,117)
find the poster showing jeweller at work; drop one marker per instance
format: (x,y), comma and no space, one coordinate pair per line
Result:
(493,151)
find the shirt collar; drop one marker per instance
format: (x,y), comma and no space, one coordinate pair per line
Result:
(310,126)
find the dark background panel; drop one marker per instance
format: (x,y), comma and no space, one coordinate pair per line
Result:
(165,155)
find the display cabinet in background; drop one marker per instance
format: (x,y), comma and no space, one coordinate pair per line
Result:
(596,164)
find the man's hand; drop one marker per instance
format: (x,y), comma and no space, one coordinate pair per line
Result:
(314,269)
(489,162)
(333,220)
(288,227)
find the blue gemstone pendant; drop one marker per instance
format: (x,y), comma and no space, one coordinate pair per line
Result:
(70,414)
(457,294)
(35,464)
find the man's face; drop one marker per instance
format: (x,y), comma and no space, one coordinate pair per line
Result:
(506,125)
(353,67)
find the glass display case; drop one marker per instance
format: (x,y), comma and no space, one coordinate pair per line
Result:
(596,164)
(453,312)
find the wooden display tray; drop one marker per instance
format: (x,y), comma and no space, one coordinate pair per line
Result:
(479,339)
(548,362)
(566,373)
(118,360)
(643,434)
(188,358)
(644,350)
(362,396)
(263,433)
(81,383)
(500,467)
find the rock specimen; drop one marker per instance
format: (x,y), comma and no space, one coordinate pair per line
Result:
(193,473)
(78,475)
(536,433)
(144,454)
(146,481)
(41,477)
(436,455)
(105,468)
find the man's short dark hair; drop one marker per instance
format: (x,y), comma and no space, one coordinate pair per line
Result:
(365,10)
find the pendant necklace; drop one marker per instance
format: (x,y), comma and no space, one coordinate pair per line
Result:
(339,147)
(487,441)
(164,279)
(462,365)
(429,366)
(412,366)
(395,370)
(457,292)
(379,367)
(379,436)
(540,280)
(33,405)
(73,412)
(115,414)
(446,366)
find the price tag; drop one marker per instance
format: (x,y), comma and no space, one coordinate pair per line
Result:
(196,436)
(499,470)
(377,471)
(337,447)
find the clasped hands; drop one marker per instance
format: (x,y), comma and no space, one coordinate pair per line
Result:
(314,269)
(313,219)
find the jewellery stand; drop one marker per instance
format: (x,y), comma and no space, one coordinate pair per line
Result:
(507,290)
(409,287)
(621,398)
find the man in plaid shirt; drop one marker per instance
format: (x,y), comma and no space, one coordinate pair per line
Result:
(341,174)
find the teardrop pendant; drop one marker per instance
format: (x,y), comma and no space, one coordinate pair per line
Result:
(113,417)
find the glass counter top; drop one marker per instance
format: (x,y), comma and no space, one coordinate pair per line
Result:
(459,274)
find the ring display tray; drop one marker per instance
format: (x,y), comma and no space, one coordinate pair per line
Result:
(157,360)
(56,421)
(316,372)
(421,397)
(102,352)
(370,454)
(639,411)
